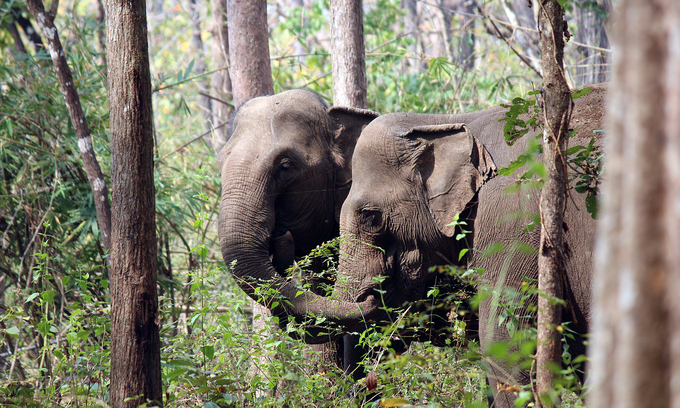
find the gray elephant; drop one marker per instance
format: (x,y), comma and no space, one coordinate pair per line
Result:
(412,173)
(286,169)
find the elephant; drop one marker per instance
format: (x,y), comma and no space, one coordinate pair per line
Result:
(412,174)
(285,171)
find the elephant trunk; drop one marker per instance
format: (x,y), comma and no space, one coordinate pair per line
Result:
(247,220)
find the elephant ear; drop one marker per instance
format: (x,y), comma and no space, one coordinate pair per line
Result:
(349,122)
(454,165)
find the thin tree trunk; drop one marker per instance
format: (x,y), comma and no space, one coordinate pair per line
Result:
(635,348)
(19,47)
(199,65)
(28,29)
(101,38)
(593,65)
(94,173)
(556,110)
(463,54)
(251,72)
(135,342)
(348,53)
(221,81)
(412,28)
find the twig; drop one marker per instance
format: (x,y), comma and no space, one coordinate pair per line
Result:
(214,98)
(192,140)
(502,37)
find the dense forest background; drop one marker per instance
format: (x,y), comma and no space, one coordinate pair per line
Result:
(421,56)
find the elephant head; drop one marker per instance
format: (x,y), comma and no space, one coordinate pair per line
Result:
(412,174)
(285,173)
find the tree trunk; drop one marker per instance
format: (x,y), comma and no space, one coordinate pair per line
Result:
(348,53)
(199,67)
(94,173)
(412,29)
(250,69)
(463,55)
(556,110)
(521,14)
(19,47)
(135,342)
(221,80)
(635,353)
(28,29)
(593,65)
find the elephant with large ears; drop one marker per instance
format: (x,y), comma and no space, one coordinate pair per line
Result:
(286,170)
(413,173)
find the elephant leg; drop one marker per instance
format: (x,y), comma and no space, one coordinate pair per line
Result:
(353,353)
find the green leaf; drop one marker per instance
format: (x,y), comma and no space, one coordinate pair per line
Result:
(580,92)
(181,363)
(32,296)
(462,253)
(188,70)
(13,331)
(48,296)
(291,377)
(516,164)
(209,352)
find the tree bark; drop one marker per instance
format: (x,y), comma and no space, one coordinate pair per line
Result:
(556,110)
(135,342)
(348,53)
(635,348)
(94,173)
(221,81)
(250,69)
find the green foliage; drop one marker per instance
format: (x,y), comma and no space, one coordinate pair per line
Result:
(585,162)
(54,300)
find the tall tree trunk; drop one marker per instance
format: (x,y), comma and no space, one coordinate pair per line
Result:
(94,173)
(556,110)
(348,53)
(635,348)
(251,72)
(593,65)
(221,81)
(135,342)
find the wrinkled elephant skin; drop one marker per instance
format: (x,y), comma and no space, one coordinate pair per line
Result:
(412,173)
(285,170)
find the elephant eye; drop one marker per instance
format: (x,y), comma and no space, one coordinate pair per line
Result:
(286,165)
(371,218)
